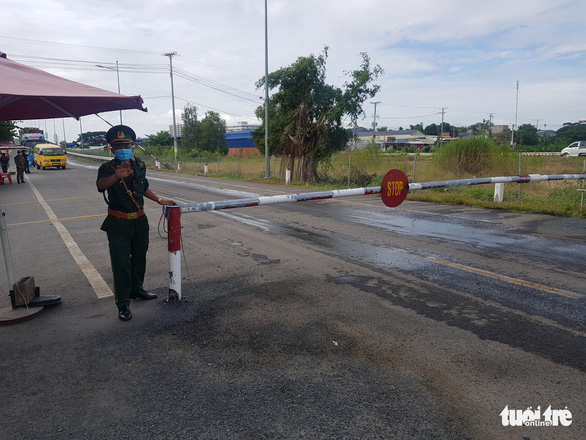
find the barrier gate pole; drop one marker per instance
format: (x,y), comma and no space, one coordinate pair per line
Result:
(173,214)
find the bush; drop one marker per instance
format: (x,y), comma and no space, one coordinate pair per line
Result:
(475,156)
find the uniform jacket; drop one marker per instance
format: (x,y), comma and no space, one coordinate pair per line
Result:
(20,161)
(121,201)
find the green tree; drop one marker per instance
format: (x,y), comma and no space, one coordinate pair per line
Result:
(191,127)
(481,127)
(431,130)
(212,133)
(417,127)
(93,138)
(527,135)
(162,138)
(7,131)
(305,113)
(571,132)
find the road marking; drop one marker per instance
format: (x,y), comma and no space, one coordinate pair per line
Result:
(93,276)
(59,219)
(507,279)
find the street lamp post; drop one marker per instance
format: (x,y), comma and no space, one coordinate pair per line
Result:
(171,55)
(267,155)
(117,77)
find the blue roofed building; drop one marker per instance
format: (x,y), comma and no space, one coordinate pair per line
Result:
(239,140)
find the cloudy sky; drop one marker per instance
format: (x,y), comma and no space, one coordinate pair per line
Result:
(463,56)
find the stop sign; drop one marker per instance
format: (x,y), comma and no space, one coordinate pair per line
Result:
(394,188)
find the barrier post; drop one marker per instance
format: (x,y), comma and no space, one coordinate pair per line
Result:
(499,192)
(287,176)
(173,214)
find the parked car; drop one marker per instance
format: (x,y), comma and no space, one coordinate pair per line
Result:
(574,149)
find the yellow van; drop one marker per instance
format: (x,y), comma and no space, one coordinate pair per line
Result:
(49,155)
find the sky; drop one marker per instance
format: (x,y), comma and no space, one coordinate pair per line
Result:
(462,57)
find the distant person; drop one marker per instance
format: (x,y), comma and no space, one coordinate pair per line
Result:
(4,162)
(20,163)
(26,155)
(126,225)
(31,160)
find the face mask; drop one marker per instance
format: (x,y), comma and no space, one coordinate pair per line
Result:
(123,155)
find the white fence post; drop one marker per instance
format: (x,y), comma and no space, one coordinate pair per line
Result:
(499,192)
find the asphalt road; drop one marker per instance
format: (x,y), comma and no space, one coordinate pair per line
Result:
(334,319)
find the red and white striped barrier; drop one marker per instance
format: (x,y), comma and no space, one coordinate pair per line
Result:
(490,180)
(391,182)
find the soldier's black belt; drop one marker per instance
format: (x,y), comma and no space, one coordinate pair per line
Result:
(126,215)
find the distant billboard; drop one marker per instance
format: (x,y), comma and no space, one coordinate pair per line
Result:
(33,137)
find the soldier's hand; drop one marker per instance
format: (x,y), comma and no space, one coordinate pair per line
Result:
(124,170)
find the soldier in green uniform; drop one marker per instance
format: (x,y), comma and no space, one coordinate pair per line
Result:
(126,225)
(20,162)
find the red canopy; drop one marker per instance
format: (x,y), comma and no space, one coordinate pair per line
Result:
(29,93)
(4,145)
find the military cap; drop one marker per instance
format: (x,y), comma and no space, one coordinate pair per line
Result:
(120,133)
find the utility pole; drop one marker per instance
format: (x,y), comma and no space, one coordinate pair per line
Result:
(516,110)
(267,155)
(374,121)
(117,78)
(490,115)
(442,127)
(81,133)
(171,55)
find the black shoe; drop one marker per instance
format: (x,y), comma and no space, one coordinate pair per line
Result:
(142,294)
(125,314)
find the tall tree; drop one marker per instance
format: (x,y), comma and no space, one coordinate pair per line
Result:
(93,138)
(161,139)
(431,130)
(305,113)
(527,135)
(481,127)
(7,131)
(571,132)
(191,127)
(212,133)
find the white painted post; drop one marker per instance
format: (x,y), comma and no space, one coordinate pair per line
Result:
(6,251)
(288,176)
(173,214)
(157,165)
(179,166)
(499,192)
(205,169)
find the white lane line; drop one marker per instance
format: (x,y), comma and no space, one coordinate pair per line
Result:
(93,276)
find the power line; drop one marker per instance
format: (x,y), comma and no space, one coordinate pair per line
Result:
(409,117)
(81,46)
(62,63)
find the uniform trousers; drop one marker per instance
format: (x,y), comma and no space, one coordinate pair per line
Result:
(128,258)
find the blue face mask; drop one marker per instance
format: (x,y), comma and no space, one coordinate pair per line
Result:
(123,155)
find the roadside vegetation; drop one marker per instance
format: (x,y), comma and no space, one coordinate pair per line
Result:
(462,159)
